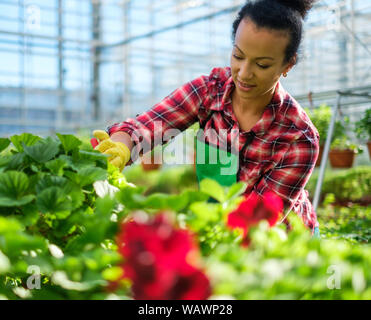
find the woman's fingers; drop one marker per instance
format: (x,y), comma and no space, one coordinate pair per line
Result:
(101,135)
(105,145)
(117,162)
(115,151)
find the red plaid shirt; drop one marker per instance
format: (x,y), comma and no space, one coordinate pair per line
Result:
(281,155)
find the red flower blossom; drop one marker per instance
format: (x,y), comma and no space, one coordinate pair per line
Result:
(156,261)
(254,209)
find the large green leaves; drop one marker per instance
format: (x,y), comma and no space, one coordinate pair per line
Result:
(73,192)
(236,190)
(132,198)
(4,143)
(14,189)
(53,200)
(56,166)
(213,189)
(27,139)
(204,214)
(43,150)
(87,175)
(69,142)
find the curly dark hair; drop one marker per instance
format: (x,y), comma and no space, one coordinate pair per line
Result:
(282,15)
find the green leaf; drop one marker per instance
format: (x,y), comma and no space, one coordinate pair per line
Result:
(9,202)
(93,155)
(17,161)
(75,163)
(43,150)
(8,225)
(104,206)
(18,242)
(5,263)
(30,215)
(69,142)
(49,181)
(69,188)
(213,189)
(13,188)
(4,143)
(236,190)
(166,201)
(56,166)
(53,200)
(205,213)
(4,161)
(25,138)
(87,175)
(112,274)
(130,197)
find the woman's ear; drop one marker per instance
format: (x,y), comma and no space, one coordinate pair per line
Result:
(291,63)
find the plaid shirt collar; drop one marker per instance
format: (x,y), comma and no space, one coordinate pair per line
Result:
(269,114)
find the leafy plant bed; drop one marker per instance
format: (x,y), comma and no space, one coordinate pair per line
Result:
(71,225)
(352,223)
(347,185)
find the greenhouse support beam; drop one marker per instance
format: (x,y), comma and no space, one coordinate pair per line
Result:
(326,150)
(349,93)
(165,29)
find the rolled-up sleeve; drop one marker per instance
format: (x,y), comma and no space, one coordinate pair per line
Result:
(289,178)
(178,111)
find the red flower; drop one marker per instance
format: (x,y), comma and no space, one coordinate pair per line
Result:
(254,209)
(190,284)
(156,261)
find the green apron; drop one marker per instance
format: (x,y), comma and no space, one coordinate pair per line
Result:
(220,165)
(215,163)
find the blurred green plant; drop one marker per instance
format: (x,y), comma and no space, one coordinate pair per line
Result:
(60,209)
(52,218)
(363,126)
(346,185)
(344,143)
(321,118)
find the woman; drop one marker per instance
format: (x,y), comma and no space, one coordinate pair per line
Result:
(276,145)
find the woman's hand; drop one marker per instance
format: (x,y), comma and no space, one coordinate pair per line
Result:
(118,151)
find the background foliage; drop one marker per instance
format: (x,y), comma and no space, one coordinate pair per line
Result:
(61,206)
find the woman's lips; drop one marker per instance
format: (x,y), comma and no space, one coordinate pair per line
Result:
(245,87)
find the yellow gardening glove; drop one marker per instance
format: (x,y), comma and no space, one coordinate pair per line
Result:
(118,151)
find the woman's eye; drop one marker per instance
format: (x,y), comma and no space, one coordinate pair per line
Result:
(238,58)
(261,66)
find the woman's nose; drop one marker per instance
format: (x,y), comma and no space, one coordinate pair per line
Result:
(245,72)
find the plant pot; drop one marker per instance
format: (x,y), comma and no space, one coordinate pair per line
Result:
(319,159)
(148,163)
(369,148)
(341,158)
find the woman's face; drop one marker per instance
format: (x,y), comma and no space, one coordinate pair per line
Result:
(257,60)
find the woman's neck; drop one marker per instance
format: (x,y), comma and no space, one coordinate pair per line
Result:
(252,107)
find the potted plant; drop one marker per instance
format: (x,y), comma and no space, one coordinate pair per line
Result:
(342,152)
(321,118)
(148,160)
(363,129)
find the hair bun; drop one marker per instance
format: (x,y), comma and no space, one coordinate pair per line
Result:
(302,6)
